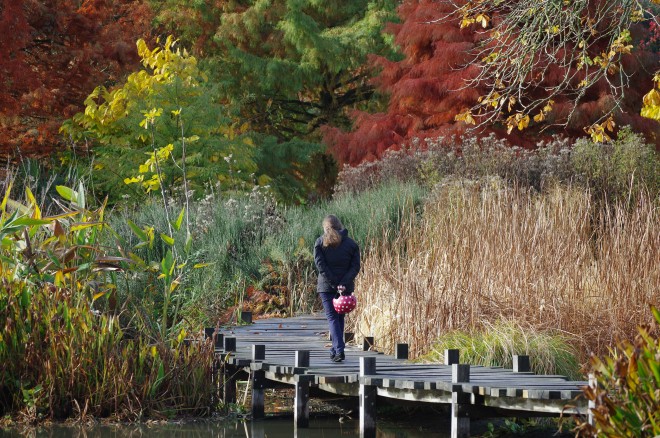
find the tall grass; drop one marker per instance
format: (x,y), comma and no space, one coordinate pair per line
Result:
(67,348)
(484,251)
(252,244)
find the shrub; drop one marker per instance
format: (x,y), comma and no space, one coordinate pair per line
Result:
(617,170)
(626,397)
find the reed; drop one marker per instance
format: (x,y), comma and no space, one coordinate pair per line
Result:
(483,251)
(67,348)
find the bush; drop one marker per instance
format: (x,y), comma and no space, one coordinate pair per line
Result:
(626,397)
(616,170)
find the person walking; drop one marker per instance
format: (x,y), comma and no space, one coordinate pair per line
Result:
(337,258)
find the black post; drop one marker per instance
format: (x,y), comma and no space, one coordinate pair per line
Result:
(452,356)
(368,343)
(230,345)
(246,317)
(301,413)
(401,351)
(367,399)
(460,402)
(521,364)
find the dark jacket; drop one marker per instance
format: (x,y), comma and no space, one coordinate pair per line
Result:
(339,265)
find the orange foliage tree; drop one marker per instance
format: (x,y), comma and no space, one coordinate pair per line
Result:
(53,55)
(447,77)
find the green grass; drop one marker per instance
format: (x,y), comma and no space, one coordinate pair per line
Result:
(251,241)
(495,345)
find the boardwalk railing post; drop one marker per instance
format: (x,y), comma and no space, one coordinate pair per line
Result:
(368,343)
(229,371)
(452,356)
(258,382)
(367,399)
(302,391)
(521,364)
(246,317)
(460,402)
(401,351)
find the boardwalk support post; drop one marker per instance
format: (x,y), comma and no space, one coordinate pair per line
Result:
(219,340)
(460,402)
(521,364)
(258,381)
(229,371)
(208,332)
(301,414)
(213,334)
(367,398)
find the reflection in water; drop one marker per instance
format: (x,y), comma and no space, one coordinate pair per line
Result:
(268,428)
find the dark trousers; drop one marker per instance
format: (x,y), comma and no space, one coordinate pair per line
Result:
(335,322)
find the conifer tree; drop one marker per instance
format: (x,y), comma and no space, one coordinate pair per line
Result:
(288,67)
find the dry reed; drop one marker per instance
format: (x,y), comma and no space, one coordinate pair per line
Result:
(483,252)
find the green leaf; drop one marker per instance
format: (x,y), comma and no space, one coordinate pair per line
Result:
(28,221)
(67,193)
(167,239)
(138,231)
(25,298)
(188,244)
(167,264)
(179,220)
(656,313)
(80,199)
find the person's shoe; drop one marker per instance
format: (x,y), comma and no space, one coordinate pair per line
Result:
(338,357)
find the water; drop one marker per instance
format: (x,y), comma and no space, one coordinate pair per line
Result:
(276,427)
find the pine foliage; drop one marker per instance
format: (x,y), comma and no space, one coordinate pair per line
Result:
(286,66)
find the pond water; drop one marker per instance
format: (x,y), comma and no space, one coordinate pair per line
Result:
(275,427)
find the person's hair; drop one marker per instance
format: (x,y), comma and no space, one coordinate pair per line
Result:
(331,228)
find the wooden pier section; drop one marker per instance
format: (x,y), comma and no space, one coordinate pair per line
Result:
(294,351)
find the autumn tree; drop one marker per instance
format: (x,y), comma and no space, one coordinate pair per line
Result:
(52,55)
(524,68)
(557,63)
(425,88)
(162,129)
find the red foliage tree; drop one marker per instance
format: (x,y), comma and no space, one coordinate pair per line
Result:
(432,85)
(53,54)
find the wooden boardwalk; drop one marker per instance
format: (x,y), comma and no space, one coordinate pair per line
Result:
(295,351)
